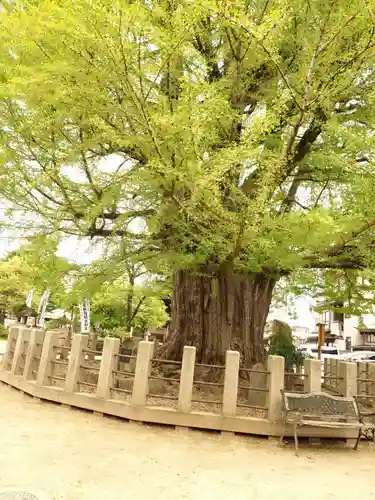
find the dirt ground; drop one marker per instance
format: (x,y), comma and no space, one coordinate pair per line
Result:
(70,454)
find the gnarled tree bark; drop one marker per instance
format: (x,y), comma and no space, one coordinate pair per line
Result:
(217,312)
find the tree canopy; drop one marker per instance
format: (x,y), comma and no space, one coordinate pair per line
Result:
(239,129)
(35,266)
(110,308)
(118,298)
(124,296)
(204,135)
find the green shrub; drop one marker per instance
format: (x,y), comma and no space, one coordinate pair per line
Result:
(3,332)
(120,333)
(54,324)
(280,343)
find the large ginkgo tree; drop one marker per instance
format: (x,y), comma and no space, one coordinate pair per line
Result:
(228,143)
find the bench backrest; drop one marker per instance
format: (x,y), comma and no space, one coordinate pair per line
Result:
(321,405)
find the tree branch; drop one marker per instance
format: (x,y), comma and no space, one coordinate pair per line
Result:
(303,147)
(86,168)
(136,309)
(276,64)
(338,249)
(344,264)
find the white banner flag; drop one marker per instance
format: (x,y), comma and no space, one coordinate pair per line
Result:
(84,312)
(29,298)
(42,308)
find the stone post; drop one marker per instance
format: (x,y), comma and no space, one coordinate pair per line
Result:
(325,371)
(34,351)
(48,355)
(10,348)
(336,373)
(93,340)
(313,375)
(371,385)
(64,352)
(332,372)
(142,371)
(77,358)
(359,388)
(18,362)
(186,379)
(276,368)
(348,386)
(232,365)
(362,371)
(108,363)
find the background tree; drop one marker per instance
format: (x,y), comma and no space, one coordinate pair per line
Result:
(13,283)
(34,266)
(110,308)
(123,294)
(228,143)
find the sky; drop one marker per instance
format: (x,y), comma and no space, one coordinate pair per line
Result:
(304,315)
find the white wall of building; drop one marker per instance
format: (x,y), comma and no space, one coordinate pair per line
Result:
(351,328)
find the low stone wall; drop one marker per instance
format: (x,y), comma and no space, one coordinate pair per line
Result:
(37,364)
(350,379)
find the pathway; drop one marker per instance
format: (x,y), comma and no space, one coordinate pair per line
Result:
(71,454)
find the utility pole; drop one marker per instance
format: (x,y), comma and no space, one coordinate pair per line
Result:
(321,338)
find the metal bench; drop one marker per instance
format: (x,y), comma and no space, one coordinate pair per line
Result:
(320,409)
(366,417)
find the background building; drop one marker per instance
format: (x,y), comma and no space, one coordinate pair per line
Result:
(359,329)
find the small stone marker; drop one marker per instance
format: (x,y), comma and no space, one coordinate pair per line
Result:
(17,495)
(257,381)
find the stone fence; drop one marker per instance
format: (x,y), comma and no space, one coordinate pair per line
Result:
(350,379)
(109,382)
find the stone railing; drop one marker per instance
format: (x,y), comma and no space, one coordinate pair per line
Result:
(350,379)
(108,382)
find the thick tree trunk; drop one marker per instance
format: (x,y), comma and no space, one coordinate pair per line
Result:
(227,311)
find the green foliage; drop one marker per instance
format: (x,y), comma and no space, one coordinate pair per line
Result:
(353,288)
(196,134)
(3,332)
(33,266)
(13,284)
(281,344)
(123,293)
(109,307)
(118,332)
(53,324)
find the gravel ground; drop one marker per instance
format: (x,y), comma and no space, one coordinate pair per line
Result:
(70,454)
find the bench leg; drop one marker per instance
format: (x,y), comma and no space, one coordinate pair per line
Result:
(282,436)
(358,438)
(295,439)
